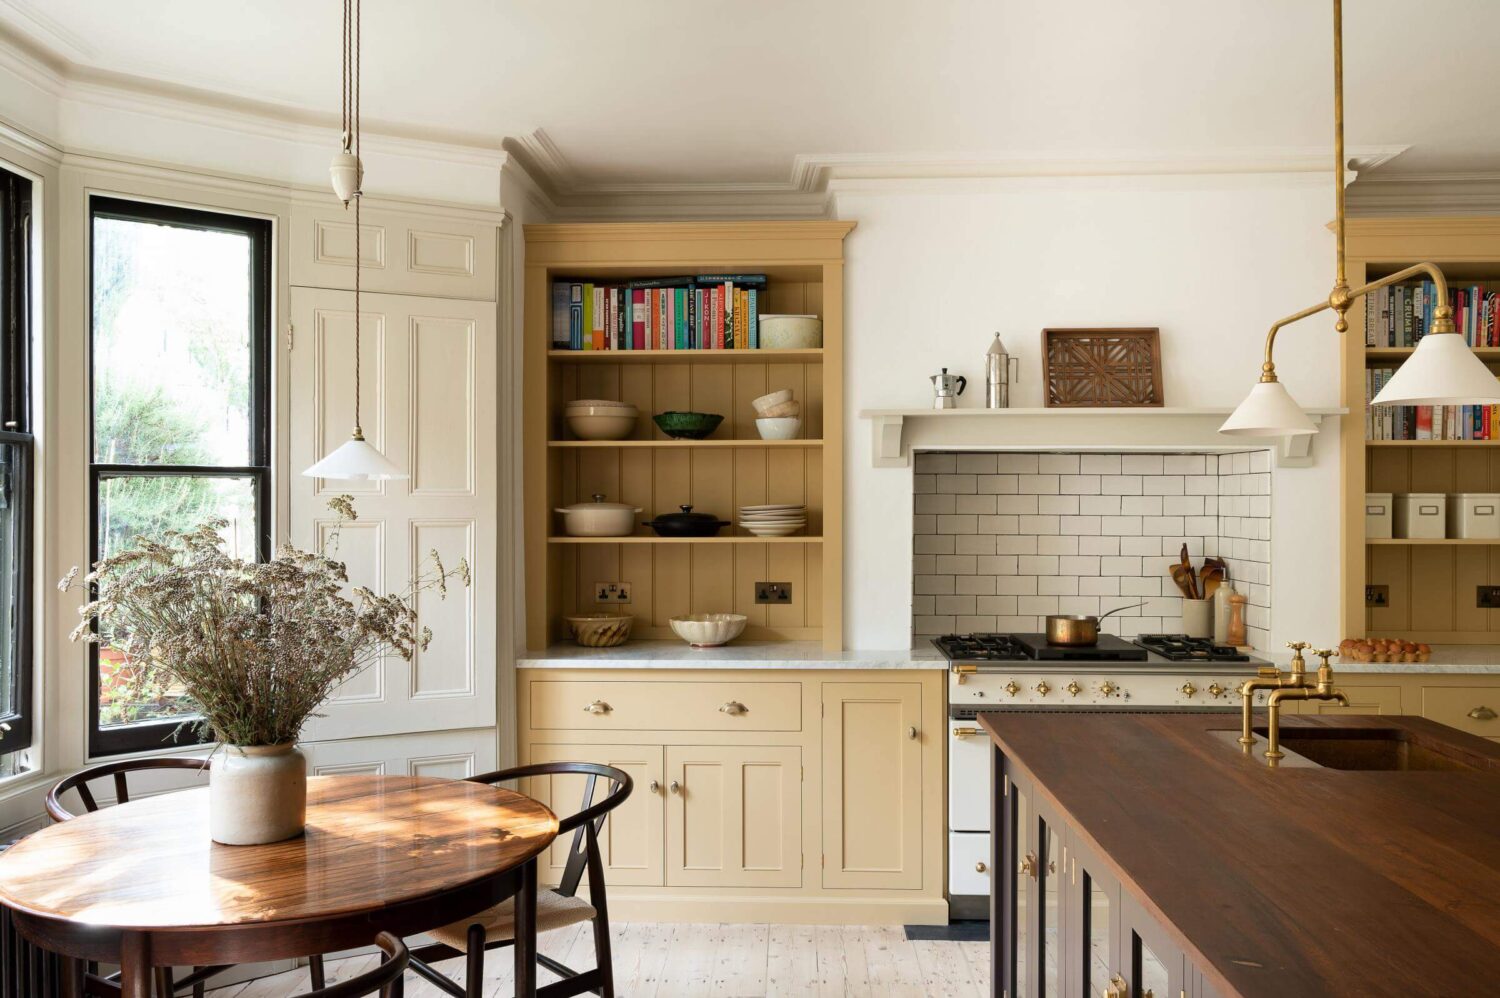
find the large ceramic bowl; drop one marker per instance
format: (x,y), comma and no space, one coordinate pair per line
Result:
(600,630)
(601,422)
(708,630)
(687,425)
(790,332)
(780,428)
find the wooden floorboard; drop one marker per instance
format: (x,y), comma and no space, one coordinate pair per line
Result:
(707,960)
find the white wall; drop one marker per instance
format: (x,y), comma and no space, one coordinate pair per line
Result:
(935,269)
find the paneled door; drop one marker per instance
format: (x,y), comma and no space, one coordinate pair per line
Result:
(872,785)
(631,839)
(734,816)
(422,360)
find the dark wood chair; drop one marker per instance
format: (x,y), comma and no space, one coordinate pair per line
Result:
(555,909)
(385,979)
(78,783)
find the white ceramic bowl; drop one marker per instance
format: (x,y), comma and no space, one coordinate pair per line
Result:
(760,530)
(779,428)
(708,630)
(791,332)
(597,422)
(775,398)
(792,408)
(600,630)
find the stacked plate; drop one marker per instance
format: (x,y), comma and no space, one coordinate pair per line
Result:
(774,519)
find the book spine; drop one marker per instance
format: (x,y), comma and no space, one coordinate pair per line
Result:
(559,315)
(680,333)
(753,312)
(743,280)
(637,318)
(1419,327)
(726,331)
(575,316)
(663,318)
(716,315)
(596,330)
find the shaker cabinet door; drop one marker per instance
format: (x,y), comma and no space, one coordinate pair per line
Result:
(1157,966)
(734,816)
(631,839)
(1095,919)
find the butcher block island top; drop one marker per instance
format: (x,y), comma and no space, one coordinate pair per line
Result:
(1296,881)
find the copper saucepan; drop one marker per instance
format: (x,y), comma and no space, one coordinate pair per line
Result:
(1078,630)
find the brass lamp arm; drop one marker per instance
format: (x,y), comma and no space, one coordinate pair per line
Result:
(1342,298)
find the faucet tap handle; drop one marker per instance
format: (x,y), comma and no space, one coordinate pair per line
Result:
(1299,664)
(1324,653)
(1297,646)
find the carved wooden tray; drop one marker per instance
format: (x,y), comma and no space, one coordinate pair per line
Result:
(1102,367)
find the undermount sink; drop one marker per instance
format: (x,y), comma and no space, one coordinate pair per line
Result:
(1367,749)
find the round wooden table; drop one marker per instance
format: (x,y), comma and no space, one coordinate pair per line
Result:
(142,884)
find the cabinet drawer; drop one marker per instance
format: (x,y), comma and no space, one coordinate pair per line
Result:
(969,863)
(626,705)
(1455,705)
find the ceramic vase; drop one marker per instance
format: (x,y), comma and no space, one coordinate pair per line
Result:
(1198,618)
(257,794)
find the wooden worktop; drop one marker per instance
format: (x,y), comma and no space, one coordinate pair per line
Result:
(1284,882)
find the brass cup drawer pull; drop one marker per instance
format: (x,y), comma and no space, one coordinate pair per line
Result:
(1483,714)
(598,707)
(734,708)
(1028,866)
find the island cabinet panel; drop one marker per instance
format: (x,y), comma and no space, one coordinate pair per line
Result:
(1095,953)
(872,782)
(734,816)
(631,838)
(1157,967)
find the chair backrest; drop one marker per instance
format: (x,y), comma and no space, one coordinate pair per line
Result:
(80,781)
(386,978)
(586,822)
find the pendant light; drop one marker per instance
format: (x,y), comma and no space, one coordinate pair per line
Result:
(1442,370)
(356,458)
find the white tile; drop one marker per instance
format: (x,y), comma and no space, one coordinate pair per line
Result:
(1026,624)
(972,544)
(1170,505)
(1100,464)
(1040,524)
(1125,604)
(1016,585)
(1001,605)
(1063,505)
(1230,485)
(1260,506)
(935,502)
(1078,604)
(1043,564)
(974,585)
(1201,485)
(1098,585)
(1040,484)
(1119,565)
(935,585)
(955,564)
(957,524)
(1182,464)
(997,564)
(1083,564)
(955,604)
(976,464)
(1057,544)
(1131,626)
(997,483)
(1120,485)
(1239,464)
(1099,545)
(1156,485)
(933,626)
(1057,585)
(1201,524)
(1139,546)
(999,524)
(1124,526)
(1141,505)
(957,483)
(1079,525)
(1100,505)
(1037,604)
(972,504)
(1141,464)
(1058,464)
(1015,544)
(1016,464)
(1140,587)
(1162,606)
(1160,525)
(921,524)
(923,483)
(932,543)
(1226,464)
(934,464)
(923,564)
(1081,485)
(921,606)
(973,624)
(1260,461)
(1016,504)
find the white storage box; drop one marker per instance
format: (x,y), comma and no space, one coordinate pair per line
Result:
(1421,514)
(1474,514)
(1377,514)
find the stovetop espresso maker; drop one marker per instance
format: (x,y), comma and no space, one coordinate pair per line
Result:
(947,387)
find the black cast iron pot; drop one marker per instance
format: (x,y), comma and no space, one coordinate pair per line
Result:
(686,524)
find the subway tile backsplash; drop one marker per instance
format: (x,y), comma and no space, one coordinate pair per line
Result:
(1001,540)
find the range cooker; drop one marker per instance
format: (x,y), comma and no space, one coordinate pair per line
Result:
(1000,672)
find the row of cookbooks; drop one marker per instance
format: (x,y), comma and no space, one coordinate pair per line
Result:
(1425,422)
(1401,314)
(704,312)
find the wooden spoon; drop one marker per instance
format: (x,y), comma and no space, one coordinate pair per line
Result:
(1186,565)
(1184,579)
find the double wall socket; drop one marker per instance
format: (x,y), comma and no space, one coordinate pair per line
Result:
(1487,597)
(773,592)
(611,592)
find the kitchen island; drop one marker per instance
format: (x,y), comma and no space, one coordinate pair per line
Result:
(1147,854)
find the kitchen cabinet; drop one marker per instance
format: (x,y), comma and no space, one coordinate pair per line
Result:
(873,738)
(734,816)
(1469,702)
(810,796)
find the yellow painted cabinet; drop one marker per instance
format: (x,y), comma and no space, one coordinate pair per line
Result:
(632,837)
(872,784)
(1362,700)
(734,816)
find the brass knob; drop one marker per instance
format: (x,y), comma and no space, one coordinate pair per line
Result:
(734,708)
(1074,688)
(1215,690)
(965,732)
(597,707)
(1042,688)
(979,867)
(675,787)
(1107,688)
(654,787)
(1028,866)
(1482,714)
(1012,688)
(1187,689)
(911,733)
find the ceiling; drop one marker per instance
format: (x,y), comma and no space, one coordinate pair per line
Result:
(730,91)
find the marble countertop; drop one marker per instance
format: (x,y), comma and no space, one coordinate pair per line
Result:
(739,655)
(1456,660)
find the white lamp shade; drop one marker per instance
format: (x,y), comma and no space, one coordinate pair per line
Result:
(1268,411)
(357,460)
(1442,370)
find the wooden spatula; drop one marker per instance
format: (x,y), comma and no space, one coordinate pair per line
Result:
(1191,578)
(1211,576)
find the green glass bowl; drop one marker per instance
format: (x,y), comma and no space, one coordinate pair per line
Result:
(687,425)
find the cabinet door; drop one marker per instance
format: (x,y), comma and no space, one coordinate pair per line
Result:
(734,816)
(1095,917)
(1362,700)
(1051,925)
(632,836)
(872,785)
(1157,966)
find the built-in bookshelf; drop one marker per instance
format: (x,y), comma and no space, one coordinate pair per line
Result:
(802,263)
(1429,585)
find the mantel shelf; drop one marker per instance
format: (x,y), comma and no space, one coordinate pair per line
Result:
(1182,428)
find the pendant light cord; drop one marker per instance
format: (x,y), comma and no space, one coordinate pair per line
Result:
(1338,139)
(350,109)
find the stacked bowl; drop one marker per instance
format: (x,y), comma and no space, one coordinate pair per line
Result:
(777,415)
(600,419)
(773,519)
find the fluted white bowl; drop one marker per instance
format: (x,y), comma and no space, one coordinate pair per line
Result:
(708,630)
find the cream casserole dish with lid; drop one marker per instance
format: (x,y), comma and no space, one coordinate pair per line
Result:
(599,518)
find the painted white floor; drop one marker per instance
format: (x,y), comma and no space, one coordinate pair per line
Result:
(740,961)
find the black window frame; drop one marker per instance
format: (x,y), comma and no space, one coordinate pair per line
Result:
(18,726)
(156,735)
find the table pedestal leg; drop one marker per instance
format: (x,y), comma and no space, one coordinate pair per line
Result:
(525,945)
(135,965)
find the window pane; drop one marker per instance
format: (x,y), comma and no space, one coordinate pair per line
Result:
(172,357)
(11,478)
(145,505)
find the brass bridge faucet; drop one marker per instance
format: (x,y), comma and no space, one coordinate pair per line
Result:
(1268,677)
(1323,690)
